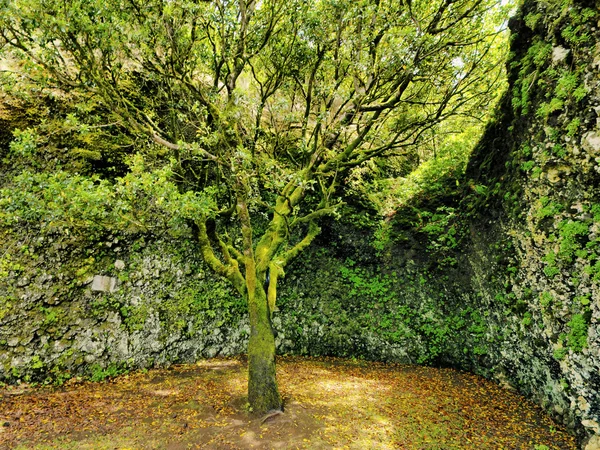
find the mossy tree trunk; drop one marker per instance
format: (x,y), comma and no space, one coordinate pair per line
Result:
(263,394)
(247,270)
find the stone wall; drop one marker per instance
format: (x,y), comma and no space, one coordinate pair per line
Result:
(540,166)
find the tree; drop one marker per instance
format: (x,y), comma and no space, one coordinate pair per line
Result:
(264,108)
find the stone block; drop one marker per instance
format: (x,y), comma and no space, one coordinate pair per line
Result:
(591,143)
(559,54)
(593,443)
(102,283)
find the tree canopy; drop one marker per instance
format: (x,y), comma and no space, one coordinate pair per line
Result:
(242,120)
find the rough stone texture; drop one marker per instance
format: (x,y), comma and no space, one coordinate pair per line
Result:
(559,54)
(165,310)
(104,284)
(593,443)
(541,292)
(591,143)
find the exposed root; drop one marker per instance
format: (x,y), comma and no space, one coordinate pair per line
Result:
(270,415)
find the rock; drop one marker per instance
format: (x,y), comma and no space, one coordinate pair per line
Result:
(553,176)
(59,346)
(119,264)
(88,345)
(591,142)
(122,347)
(596,61)
(559,54)
(593,443)
(22,282)
(592,424)
(582,403)
(104,284)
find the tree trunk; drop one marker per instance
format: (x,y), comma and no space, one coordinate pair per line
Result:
(263,394)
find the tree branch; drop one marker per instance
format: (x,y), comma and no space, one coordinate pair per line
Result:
(231,271)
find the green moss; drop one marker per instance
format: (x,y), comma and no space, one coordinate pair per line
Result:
(551,271)
(527,166)
(570,232)
(583,300)
(546,299)
(443,233)
(525,151)
(577,337)
(539,52)
(36,363)
(593,270)
(595,210)
(576,35)
(548,208)
(532,19)
(97,373)
(573,127)
(559,151)
(7,304)
(548,108)
(579,93)
(565,85)
(51,315)
(530,66)
(560,353)
(536,172)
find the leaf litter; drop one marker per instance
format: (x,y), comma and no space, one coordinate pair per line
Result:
(329,404)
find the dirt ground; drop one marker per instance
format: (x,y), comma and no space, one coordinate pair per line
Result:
(329,404)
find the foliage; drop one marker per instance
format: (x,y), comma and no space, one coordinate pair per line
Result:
(548,208)
(441,230)
(546,299)
(570,233)
(143,200)
(438,172)
(369,73)
(99,373)
(24,144)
